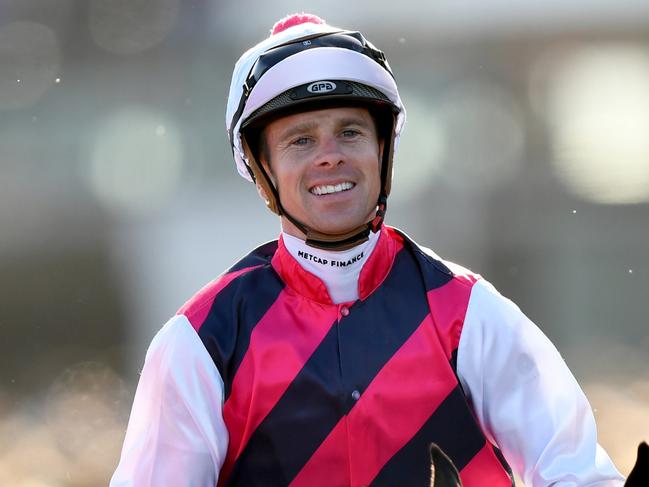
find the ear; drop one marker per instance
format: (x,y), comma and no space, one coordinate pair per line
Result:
(266,166)
(262,193)
(640,473)
(442,470)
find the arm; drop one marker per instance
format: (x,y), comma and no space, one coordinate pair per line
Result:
(176,434)
(526,399)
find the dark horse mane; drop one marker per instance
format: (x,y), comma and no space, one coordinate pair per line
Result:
(444,474)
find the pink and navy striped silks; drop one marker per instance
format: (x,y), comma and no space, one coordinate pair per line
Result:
(349,394)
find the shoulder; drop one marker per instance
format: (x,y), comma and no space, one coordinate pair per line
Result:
(436,270)
(255,262)
(494,322)
(484,301)
(486,298)
(176,342)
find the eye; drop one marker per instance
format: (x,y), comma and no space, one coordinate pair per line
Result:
(350,133)
(300,141)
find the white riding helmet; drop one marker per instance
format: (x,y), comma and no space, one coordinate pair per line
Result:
(305,66)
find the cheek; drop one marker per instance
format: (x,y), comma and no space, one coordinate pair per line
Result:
(288,179)
(372,163)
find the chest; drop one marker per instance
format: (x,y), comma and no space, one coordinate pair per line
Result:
(355,385)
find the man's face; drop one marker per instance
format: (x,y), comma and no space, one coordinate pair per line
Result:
(326,166)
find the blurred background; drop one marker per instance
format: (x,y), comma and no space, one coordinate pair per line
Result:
(525,158)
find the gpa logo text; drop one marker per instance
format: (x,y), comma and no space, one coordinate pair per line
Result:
(321,87)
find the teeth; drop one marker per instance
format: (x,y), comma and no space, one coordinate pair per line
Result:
(329,188)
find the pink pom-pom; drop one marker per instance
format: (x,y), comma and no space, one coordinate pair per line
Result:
(295,19)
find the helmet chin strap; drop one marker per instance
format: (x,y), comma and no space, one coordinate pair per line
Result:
(342,241)
(325,241)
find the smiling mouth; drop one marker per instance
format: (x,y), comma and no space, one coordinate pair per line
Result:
(331,188)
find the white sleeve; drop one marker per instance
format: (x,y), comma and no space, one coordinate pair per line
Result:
(176,434)
(526,399)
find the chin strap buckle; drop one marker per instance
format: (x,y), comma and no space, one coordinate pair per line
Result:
(376,223)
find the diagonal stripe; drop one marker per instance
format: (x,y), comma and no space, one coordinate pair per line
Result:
(452,427)
(391,410)
(234,314)
(280,344)
(485,469)
(448,305)
(197,309)
(299,422)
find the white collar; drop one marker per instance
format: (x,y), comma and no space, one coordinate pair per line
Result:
(339,270)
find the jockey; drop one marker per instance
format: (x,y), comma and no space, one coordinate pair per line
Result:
(338,353)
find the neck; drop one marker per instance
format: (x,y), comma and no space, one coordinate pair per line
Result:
(328,241)
(339,270)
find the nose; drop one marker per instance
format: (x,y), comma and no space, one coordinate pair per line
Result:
(330,153)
